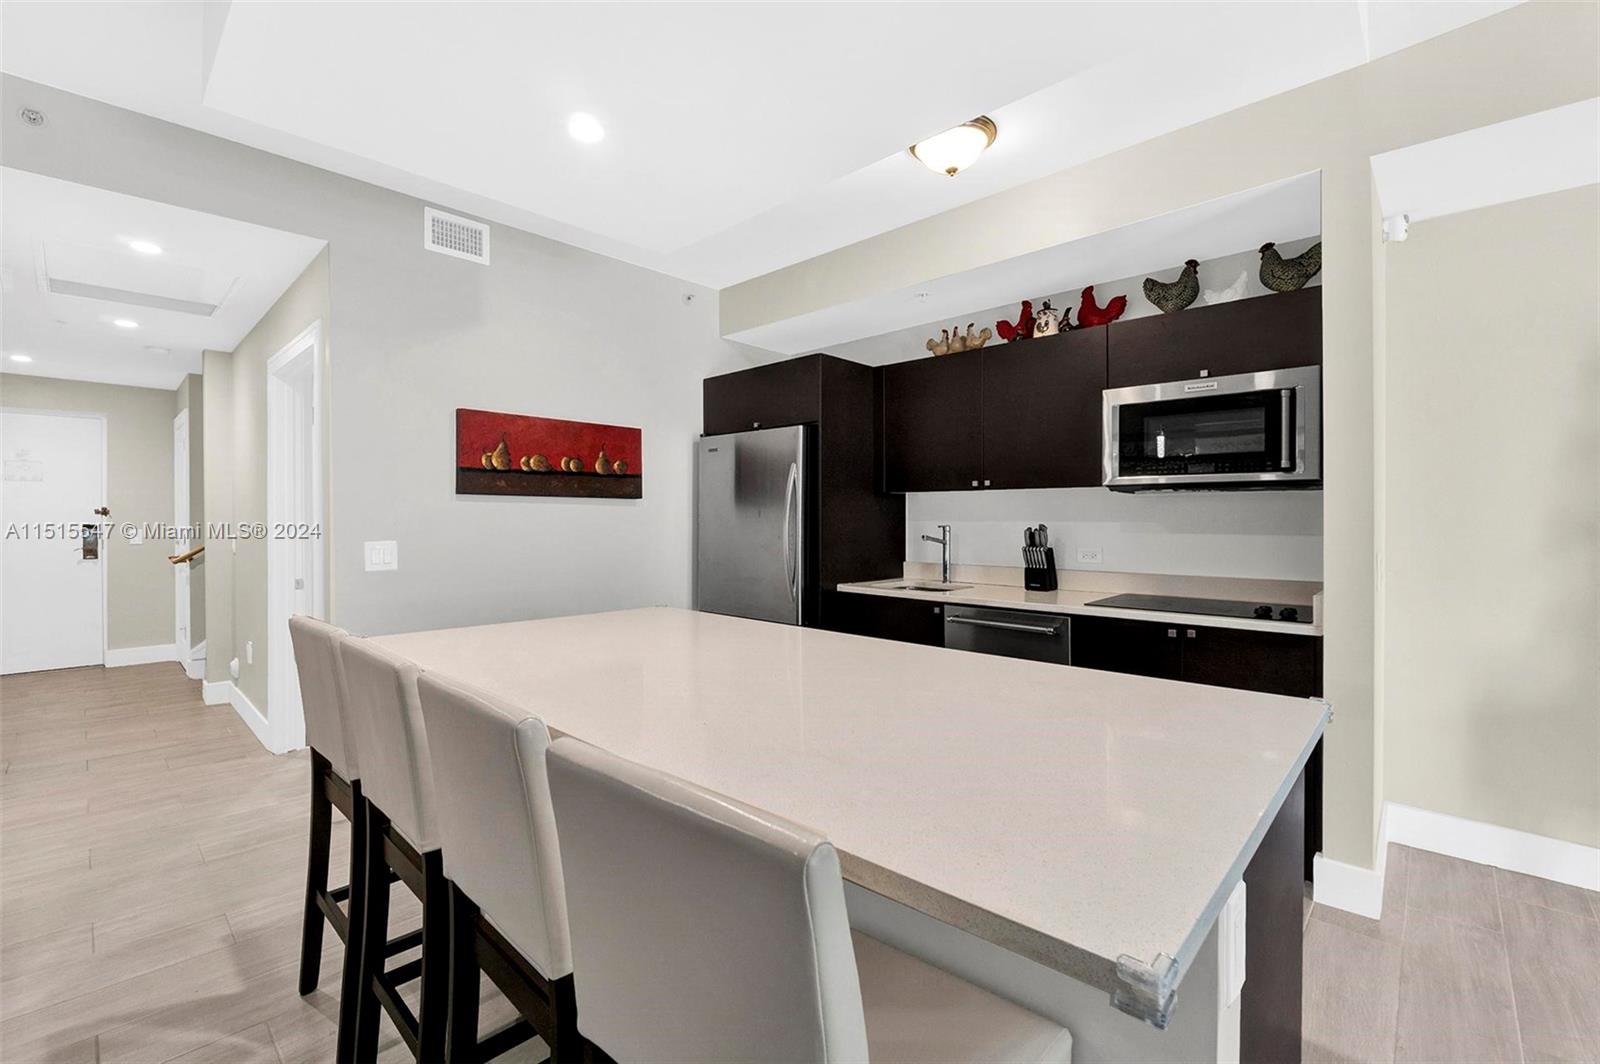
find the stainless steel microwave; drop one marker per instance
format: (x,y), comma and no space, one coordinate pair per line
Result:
(1250,430)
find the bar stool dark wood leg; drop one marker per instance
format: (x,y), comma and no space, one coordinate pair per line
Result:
(350,983)
(316,873)
(435,1004)
(465,980)
(387,855)
(374,932)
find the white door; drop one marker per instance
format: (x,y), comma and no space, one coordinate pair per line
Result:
(180,518)
(295,581)
(52,591)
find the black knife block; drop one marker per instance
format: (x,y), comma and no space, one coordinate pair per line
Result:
(1039,568)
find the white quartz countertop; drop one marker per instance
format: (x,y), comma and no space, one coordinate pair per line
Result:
(1010,596)
(1070,815)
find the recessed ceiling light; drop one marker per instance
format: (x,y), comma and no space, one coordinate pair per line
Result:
(125,323)
(145,247)
(22,358)
(586,128)
(954,150)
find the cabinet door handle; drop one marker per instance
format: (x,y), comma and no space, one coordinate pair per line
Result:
(1190,633)
(1172,633)
(986,483)
(974,483)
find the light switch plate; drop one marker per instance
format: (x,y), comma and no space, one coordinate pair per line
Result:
(382,555)
(1089,555)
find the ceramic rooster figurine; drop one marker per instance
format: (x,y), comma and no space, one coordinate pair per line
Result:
(1289,275)
(1091,313)
(1023,327)
(1169,297)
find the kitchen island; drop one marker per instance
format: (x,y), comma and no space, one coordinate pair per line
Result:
(1089,824)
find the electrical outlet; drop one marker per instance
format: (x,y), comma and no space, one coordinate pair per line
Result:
(249,652)
(1089,555)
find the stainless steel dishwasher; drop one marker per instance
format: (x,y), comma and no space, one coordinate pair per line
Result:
(1009,633)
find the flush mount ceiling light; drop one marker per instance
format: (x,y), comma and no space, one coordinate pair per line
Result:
(585,128)
(125,323)
(145,247)
(954,150)
(22,358)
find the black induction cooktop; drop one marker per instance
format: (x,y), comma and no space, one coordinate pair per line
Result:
(1211,607)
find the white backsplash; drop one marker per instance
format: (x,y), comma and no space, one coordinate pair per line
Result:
(1271,535)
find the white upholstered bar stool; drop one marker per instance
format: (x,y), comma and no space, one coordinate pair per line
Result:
(335,784)
(402,840)
(705,929)
(508,908)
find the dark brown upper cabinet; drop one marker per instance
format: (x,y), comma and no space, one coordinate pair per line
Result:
(1277,331)
(765,397)
(1041,411)
(932,423)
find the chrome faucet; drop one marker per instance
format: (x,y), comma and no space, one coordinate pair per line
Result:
(943,539)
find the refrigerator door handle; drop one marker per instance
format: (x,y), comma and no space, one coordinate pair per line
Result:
(790,570)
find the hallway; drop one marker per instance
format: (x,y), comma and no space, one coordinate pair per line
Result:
(153,866)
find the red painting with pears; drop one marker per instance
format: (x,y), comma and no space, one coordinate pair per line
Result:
(516,454)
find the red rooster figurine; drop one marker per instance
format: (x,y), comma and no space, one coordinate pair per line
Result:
(1091,314)
(1022,329)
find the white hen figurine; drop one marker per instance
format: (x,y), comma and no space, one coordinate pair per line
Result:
(1230,293)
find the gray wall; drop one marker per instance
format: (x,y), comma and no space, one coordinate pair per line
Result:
(139,595)
(547,329)
(238,446)
(1492,560)
(902,345)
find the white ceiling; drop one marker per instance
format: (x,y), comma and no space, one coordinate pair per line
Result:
(213,280)
(1280,212)
(740,138)
(1527,156)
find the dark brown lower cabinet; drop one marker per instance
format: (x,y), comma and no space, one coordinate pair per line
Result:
(1277,663)
(907,620)
(1136,647)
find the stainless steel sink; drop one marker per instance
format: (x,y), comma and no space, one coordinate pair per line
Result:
(931,587)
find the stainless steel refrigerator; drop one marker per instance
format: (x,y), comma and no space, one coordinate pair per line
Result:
(753,510)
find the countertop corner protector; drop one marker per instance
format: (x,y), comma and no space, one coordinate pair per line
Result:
(1148,990)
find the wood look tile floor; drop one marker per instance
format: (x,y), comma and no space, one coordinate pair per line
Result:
(152,859)
(152,868)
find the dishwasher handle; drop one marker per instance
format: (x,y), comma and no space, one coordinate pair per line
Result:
(1009,626)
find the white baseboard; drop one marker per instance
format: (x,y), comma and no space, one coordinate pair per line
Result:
(195,667)
(1349,887)
(120,656)
(253,718)
(1491,844)
(225,692)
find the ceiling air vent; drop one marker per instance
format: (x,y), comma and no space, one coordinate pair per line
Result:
(449,234)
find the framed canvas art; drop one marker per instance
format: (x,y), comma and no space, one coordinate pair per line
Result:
(516,454)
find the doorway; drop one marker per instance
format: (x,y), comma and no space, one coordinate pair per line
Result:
(295,553)
(180,520)
(53,570)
